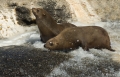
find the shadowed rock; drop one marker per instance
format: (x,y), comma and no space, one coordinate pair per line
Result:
(24,61)
(23,15)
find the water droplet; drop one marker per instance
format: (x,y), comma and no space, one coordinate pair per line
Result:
(78,40)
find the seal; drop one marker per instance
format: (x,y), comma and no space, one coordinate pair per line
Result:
(86,37)
(47,25)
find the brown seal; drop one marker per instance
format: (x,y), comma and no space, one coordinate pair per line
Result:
(86,37)
(47,25)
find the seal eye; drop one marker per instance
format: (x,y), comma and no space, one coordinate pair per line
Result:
(51,43)
(37,10)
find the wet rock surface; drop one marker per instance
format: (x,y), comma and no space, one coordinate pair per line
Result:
(24,61)
(23,15)
(59,10)
(27,61)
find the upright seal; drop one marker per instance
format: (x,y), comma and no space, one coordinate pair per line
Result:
(47,25)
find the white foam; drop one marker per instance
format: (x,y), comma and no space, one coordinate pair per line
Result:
(16,40)
(58,72)
(81,53)
(77,23)
(38,44)
(117,74)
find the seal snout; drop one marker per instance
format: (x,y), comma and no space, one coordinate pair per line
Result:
(33,9)
(45,45)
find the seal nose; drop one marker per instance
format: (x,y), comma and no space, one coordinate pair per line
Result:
(44,45)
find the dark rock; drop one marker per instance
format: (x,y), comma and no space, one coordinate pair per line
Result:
(24,16)
(25,61)
(60,12)
(12,4)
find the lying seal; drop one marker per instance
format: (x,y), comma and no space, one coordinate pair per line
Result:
(47,25)
(86,37)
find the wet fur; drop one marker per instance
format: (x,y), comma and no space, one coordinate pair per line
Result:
(85,37)
(47,25)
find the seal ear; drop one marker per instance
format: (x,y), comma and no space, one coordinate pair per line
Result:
(57,43)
